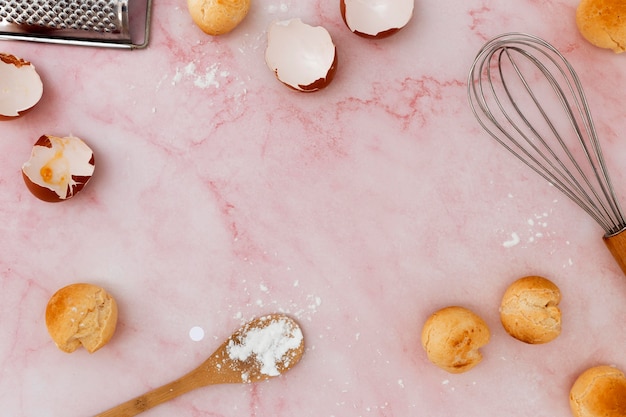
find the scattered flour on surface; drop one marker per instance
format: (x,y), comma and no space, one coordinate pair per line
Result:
(515,240)
(538,228)
(208,78)
(275,8)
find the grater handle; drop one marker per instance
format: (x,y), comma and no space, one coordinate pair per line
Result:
(52,24)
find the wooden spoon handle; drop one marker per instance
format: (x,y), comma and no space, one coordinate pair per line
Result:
(155,397)
(617,245)
(222,368)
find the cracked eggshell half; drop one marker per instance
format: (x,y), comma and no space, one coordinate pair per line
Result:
(20,86)
(58,168)
(376,18)
(301,56)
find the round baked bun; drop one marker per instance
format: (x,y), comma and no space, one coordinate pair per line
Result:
(81,314)
(452,338)
(529,310)
(217,17)
(603,23)
(599,392)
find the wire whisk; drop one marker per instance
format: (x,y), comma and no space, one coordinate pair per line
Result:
(528,97)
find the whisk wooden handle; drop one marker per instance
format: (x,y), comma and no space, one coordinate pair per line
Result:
(617,245)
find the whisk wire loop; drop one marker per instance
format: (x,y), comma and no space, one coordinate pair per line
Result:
(520,120)
(570,181)
(528,155)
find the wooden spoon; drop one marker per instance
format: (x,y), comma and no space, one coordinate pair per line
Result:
(263,348)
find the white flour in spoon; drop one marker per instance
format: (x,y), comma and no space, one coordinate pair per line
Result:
(269,345)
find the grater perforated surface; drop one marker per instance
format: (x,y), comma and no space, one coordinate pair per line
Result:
(101,16)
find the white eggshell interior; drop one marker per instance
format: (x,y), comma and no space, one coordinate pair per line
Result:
(298,53)
(67,157)
(20,88)
(372,17)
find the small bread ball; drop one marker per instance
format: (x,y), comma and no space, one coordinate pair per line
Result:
(599,392)
(529,310)
(603,23)
(217,17)
(452,338)
(81,315)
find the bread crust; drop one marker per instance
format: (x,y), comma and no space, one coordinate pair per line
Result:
(217,17)
(603,23)
(452,338)
(529,310)
(599,392)
(81,314)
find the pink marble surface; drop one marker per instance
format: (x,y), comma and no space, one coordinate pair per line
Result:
(220,195)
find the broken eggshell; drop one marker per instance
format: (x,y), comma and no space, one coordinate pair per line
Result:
(302,57)
(58,168)
(20,86)
(376,18)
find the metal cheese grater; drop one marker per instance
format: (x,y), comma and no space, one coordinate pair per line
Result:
(106,23)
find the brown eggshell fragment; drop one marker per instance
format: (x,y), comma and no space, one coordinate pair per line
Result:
(599,392)
(452,338)
(20,86)
(529,310)
(301,56)
(58,168)
(376,18)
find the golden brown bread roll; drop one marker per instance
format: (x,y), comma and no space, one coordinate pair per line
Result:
(599,392)
(81,314)
(217,17)
(603,23)
(452,337)
(529,310)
